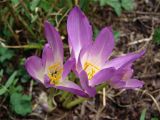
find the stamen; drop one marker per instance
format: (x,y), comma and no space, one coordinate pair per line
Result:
(90,69)
(55,73)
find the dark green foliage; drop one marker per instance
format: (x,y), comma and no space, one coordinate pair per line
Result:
(5,54)
(143,114)
(155,118)
(84,5)
(4,88)
(156,36)
(34,4)
(128,5)
(21,104)
(116,35)
(117,5)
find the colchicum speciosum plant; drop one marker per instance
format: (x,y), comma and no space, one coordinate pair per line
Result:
(89,60)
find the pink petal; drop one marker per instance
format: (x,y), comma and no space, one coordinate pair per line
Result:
(133,83)
(35,68)
(67,67)
(91,91)
(79,31)
(122,61)
(69,86)
(47,56)
(54,41)
(102,47)
(66,85)
(102,76)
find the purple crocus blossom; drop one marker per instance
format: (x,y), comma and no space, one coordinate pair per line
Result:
(92,58)
(122,76)
(50,69)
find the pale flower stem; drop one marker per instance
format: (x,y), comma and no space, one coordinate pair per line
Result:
(76,2)
(100,87)
(67,100)
(51,96)
(64,96)
(104,96)
(75,102)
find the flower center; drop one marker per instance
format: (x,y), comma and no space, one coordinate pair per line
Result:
(90,69)
(55,73)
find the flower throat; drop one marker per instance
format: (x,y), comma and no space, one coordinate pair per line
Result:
(55,73)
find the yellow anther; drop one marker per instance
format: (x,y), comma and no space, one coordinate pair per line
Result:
(90,69)
(55,73)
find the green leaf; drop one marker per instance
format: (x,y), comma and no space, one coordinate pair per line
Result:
(115,4)
(15,1)
(11,79)
(102,2)
(84,4)
(95,32)
(1,74)
(156,35)
(21,104)
(6,32)
(45,5)
(8,83)
(127,4)
(116,35)
(155,118)
(34,18)
(3,90)
(5,54)
(143,114)
(34,4)
(14,89)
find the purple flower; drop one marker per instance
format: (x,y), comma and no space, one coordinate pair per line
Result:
(92,64)
(122,76)
(50,70)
